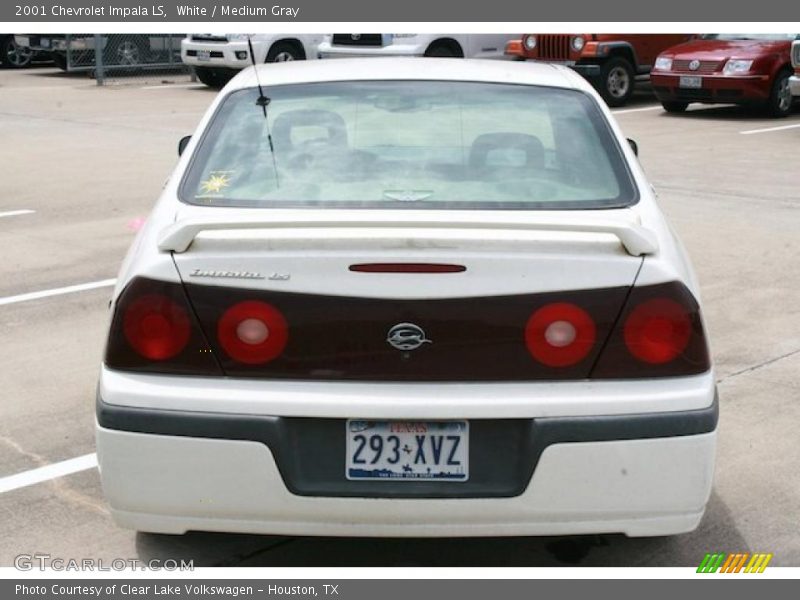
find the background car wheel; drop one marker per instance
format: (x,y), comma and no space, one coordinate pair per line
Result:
(674,106)
(60,60)
(126,51)
(284,52)
(13,56)
(443,50)
(616,81)
(213,78)
(780,99)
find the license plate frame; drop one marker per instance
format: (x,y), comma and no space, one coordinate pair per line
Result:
(204,55)
(691,82)
(431,451)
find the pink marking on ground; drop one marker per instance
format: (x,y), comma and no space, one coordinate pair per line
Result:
(137,223)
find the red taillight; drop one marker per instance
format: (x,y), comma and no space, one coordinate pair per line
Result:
(154,330)
(560,334)
(658,334)
(156,327)
(253,332)
(657,331)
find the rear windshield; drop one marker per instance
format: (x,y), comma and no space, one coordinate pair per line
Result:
(409,144)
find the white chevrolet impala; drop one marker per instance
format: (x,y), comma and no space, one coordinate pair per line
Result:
(407,297)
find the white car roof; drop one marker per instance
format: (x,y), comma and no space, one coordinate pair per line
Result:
(436,69)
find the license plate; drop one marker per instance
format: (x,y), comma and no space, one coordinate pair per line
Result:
(690,81)
(204,55)
(407,450)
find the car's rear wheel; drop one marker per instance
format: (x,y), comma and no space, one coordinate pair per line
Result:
(616,81)
(780,99)
(284,52)
(14,56)
(673,106)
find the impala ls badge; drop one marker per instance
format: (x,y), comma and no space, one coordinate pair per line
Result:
(226,274)
(407,336)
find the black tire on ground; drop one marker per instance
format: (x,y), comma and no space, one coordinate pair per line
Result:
(60,60)
(284,52)
(13,56)
(442,50)
(213,78)
(674,106)
(780,99)
(616,81)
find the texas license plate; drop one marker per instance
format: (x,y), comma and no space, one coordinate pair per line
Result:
(690,81)
(407,450)
(203,55)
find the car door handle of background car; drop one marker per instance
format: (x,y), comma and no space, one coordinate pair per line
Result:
(636,239)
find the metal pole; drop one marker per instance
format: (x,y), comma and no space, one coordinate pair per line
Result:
(99,72)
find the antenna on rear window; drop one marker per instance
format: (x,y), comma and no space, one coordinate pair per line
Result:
(263,102)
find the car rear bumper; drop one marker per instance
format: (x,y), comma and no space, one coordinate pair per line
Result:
(174,470)
(173,484)
(794,85)
(715,89)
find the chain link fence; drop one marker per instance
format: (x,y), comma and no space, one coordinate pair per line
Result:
(121,58)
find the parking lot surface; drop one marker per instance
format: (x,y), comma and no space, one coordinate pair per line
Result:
(80,167)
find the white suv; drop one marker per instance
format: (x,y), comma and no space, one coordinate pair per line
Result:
(455,45)
(217,58)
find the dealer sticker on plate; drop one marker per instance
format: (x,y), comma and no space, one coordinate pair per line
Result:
(407,450)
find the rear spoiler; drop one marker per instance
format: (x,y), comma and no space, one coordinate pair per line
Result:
(637,240)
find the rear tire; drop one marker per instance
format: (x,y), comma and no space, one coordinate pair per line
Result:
(616,81)
(284,52)
(780,100)
(673,106)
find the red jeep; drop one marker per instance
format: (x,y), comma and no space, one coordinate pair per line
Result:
(612,62)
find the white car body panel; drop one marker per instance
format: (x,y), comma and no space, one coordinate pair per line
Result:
(651,486)
(372,400)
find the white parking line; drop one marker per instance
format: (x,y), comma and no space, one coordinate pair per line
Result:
(48,472)
(634,110)
(14,213)
(766,129)
(57,291)
(172,85)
